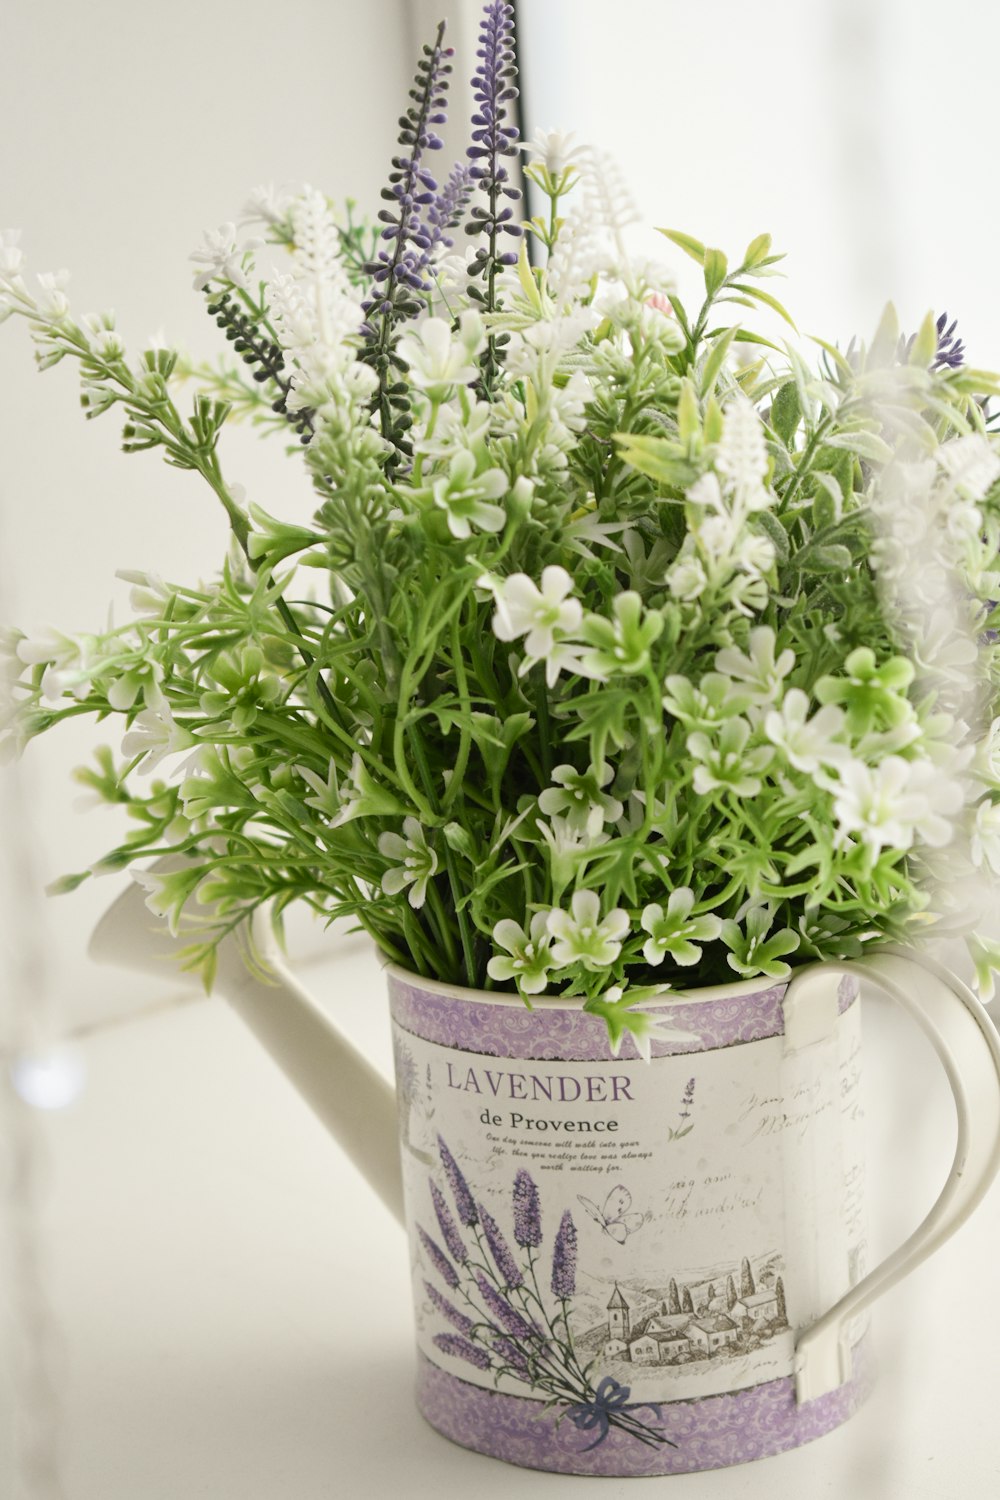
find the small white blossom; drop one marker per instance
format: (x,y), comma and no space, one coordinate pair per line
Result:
(530,959)
(890,805)
(687,579)
(578,795)
(555,149)
(806,743)
(221,258)
(971,465)
(757,668)
(268,204)
(742,455)
(52,301)
(153,734)
(725,764)
(583,936)
(438,359)
(417,862)
(675,931)
(467,498)
(545,616)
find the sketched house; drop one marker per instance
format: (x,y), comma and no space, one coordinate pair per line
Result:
(615,1349)
(645,1350)
(712,1333)
(762,1307)
(673,1343)
(668,1323)
(618,1316)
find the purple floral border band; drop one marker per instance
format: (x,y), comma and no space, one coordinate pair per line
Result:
(711,1432)
(567,1033)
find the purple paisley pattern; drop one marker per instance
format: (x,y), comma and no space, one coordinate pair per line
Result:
(711,1433)
(564,1032)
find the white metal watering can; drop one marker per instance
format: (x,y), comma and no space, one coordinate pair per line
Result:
(624,1267)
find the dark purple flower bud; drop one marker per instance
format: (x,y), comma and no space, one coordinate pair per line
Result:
(464,1201)
(504,1261)
(501,1309)
(452,1343)
(448,1310)
(564,1258)
(527,1211)
(950,349)
(449,1229)
(439,1260)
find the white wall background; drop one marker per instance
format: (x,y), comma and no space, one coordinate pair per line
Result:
(860,133)
(130,129)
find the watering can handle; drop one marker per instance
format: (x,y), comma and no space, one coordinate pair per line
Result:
(351,1097)
(965,1040)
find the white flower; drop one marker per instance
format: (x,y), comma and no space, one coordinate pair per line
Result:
(221,258)
(726,764)
(68,662)
(11,254)
(582,936)
(555,149)
(578,795)
(268,204)
(53,303)
(807,743)
(155,733)
(675,931)
(530,959)
(543,615)
(890,805)
(467,497)
(985,840)
(687,579)
(758,668)
(437,359)
(417,862)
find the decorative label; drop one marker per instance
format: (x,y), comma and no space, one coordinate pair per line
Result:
(612,1235)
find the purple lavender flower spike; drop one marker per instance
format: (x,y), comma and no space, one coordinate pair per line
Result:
(449,1229)
(492,140)
(564,1258)
(448,1310)
(512,1355)
(527,1211)
(452,1343)
(449,205)
(440,1261)
(464,1201)
(950,349)
(510,1271)
(507,1316)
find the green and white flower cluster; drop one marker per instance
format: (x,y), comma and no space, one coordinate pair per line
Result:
(636,650)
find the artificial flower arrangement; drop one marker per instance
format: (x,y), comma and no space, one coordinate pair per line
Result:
(601,659)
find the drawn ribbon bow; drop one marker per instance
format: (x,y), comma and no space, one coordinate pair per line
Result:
(610,1398)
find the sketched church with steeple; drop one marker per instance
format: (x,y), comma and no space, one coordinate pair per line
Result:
(618,1316)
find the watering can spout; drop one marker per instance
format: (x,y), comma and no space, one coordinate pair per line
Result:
(353,1100)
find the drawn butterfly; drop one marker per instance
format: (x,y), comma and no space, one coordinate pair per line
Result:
(614,1218)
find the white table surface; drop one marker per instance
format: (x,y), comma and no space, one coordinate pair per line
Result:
(234,1302)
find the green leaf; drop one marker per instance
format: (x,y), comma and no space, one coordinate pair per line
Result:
(925,344)
(886,341)
(759,295)
(865,444)
(688,414)
(830,559)
(716,359)
(659,458)
(757,251)
(786,412)
(687,243)
(772,528)
(716,270)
